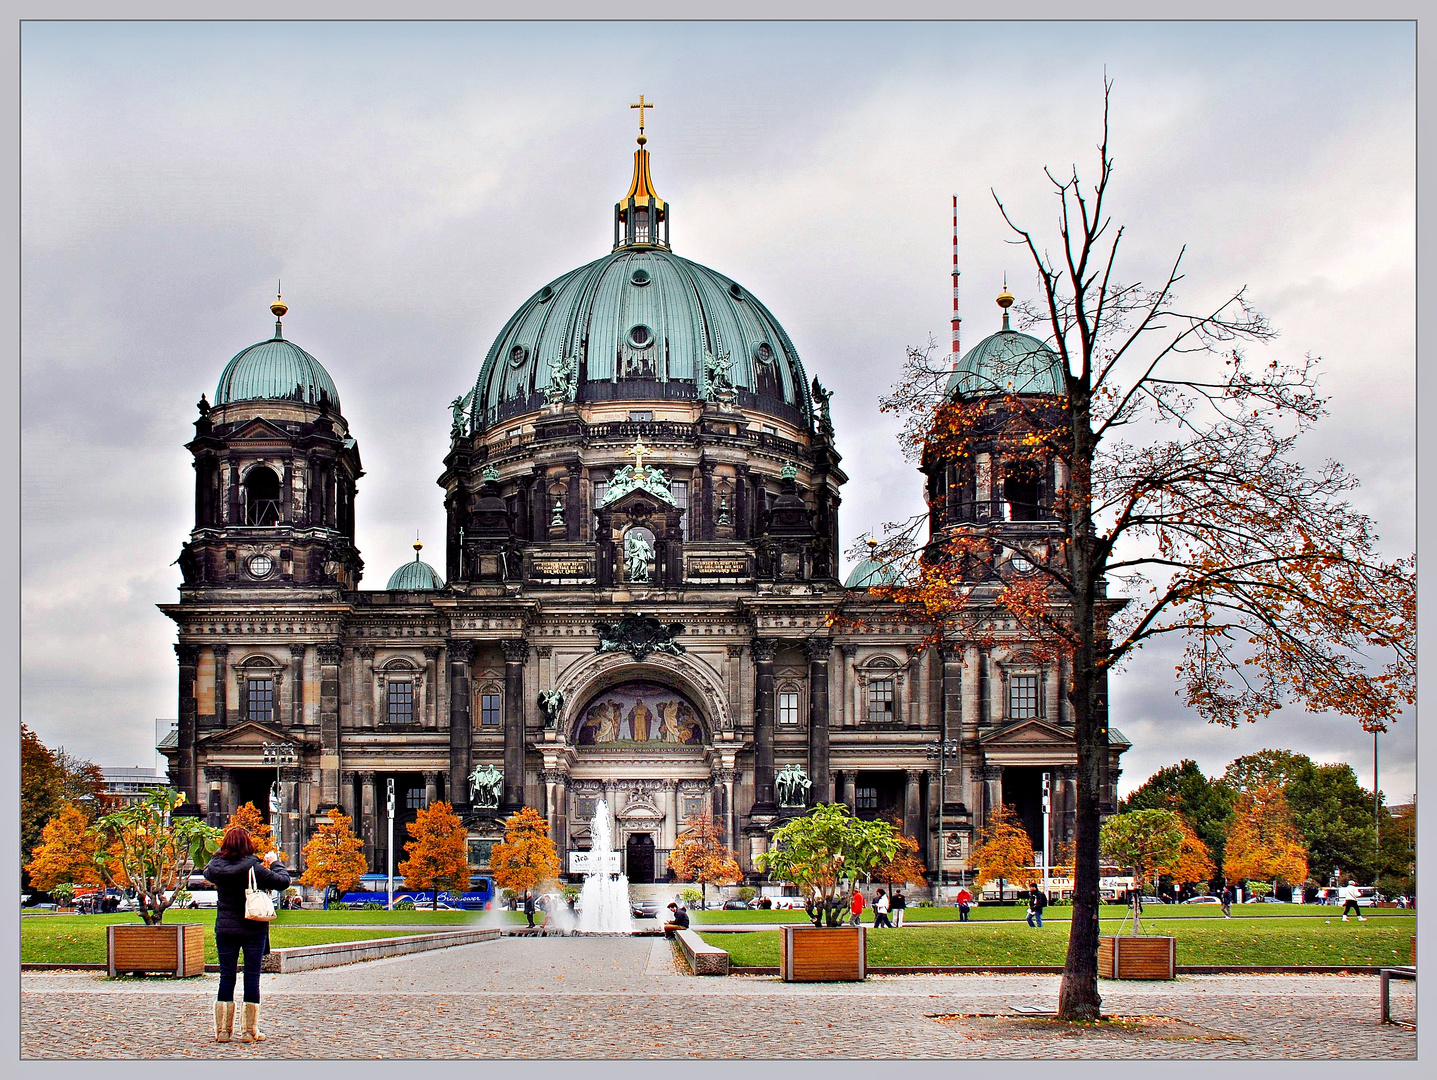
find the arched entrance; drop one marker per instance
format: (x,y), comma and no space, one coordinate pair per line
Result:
(639,858)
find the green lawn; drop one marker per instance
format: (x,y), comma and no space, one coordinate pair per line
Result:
(80,939)
(1217,941)
(993,913)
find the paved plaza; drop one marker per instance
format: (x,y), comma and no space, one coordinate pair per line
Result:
(627,998)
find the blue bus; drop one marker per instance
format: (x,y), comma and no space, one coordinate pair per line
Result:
(373,889)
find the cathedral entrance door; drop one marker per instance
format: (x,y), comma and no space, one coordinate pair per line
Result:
(640,859)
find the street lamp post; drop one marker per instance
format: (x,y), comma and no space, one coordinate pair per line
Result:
(942,750)
(278,754)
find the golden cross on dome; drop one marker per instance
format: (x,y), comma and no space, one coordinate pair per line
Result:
(641,105)
(639,450)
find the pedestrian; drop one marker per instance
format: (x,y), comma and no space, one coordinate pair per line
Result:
(1227,899)
(898,907)
(678,920)
(880,911)
(1036,903)
(231,871)
(529,907)
(855,907)
(1349,900)
(964,899)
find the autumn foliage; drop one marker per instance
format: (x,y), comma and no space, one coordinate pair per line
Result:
(907,866)
(526,857)
(66,853)
(438,853)
(699,855)
(248,817)
(334,856)
(1193,862)
(1263,843)
(1004,851)
(1146,841)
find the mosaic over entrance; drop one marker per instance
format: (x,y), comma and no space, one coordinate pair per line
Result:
(640,712)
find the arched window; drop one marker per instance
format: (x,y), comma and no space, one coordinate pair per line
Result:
(789,703)
(881,699)
(261,496)
(491,706)
(258,679)
(1020,490)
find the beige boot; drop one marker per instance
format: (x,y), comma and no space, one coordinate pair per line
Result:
(224,1020)
(249,1030)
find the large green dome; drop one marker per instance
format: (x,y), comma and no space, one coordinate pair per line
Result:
(275,370)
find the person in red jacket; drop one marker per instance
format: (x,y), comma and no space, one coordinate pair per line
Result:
(855,907)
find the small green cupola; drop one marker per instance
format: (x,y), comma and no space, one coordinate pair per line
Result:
(641,218)
(416,576)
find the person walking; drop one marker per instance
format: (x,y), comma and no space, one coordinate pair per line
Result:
(231,870)
(1036,903)
(880,911)
(529,907)
(898,907)
(855,906)
(964,899)
(1349,901)
(1227,899)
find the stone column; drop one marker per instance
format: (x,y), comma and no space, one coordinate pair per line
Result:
(221,654)
(515,653)
(550,778)
(1050,693)
(763,728)
(186,779)
(992,789)
(849,650)
(561,818)
(912,807)
(850,783)
(706,521)
(329,656)
(431,686)
(290,814)
(214,779)
(1068,784)
(740,502)
(368,825)
(818,651)
(364,691)
(972,665)
(461,729)
(573,521)
(431,786)
(346,798)
(726,813)
(296,692)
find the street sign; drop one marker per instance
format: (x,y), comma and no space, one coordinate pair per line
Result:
(389,788)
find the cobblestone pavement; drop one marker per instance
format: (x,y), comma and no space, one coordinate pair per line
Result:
(626,998)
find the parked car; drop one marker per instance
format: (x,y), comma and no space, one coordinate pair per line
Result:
(644,909)
(1202,900)
(735,905)
(1262,900)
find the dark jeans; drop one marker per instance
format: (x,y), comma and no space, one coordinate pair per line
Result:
(228,947)
(880,918)
(1351,905)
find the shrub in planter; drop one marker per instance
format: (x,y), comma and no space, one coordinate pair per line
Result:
(822,851)
(404,905)
(373,905)
(149,848)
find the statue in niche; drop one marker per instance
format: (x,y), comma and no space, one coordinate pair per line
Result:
(792,785)
(550,703)
(717,378)
(558,519)
(723,510)
(638,553)
(485,785)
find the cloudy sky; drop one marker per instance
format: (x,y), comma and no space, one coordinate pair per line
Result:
(412,184)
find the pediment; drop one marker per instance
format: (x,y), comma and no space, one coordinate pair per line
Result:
(640,810)
(248,735)
(259,430)
(1027,733)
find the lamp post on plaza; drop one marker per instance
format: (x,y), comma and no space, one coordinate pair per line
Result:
(942,750)
(278,754)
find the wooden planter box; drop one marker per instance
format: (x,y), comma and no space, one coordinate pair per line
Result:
(1137,957)
(831,954)
(177,949)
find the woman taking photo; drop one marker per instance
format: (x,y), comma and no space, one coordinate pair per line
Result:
(230,871)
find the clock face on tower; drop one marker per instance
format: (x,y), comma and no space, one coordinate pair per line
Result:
(260,566)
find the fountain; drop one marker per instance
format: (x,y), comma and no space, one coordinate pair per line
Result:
(604,902)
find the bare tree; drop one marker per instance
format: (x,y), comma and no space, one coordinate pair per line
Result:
(1180,484)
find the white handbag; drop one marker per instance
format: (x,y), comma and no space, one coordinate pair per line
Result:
(257,904)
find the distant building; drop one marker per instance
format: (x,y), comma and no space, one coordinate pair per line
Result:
(124,786)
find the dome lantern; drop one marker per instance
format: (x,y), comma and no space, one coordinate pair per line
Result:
(641,218)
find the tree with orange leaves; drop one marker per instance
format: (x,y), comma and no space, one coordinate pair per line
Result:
(1193,862)
(907,866)
(248,817)
(700,855)
(1263,843)
(1160,459)
(526,857)
(66,853)
(334,856)
(1004,851)
(439,851)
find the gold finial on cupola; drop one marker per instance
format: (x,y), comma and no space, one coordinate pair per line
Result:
(1005,301)
(279,307)
(418,547)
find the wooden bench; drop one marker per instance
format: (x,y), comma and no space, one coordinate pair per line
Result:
(1385,976)
(702,958)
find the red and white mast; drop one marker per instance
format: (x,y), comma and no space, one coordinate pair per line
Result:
(956,319)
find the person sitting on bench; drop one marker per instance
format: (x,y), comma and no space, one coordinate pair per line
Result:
(678,920)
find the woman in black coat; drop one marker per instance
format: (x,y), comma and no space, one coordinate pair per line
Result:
(230,871)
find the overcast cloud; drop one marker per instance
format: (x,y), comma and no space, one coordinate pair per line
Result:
(413,184)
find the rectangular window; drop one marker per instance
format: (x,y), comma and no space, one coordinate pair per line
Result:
(401,703)
(489,710)
(880,701)
(414,798)
(260,704)
(1022,697)
(788,708)
(601,488)
(641,416)
(680,489)
(866,798)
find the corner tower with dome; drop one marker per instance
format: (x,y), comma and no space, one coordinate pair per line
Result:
(636,605)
